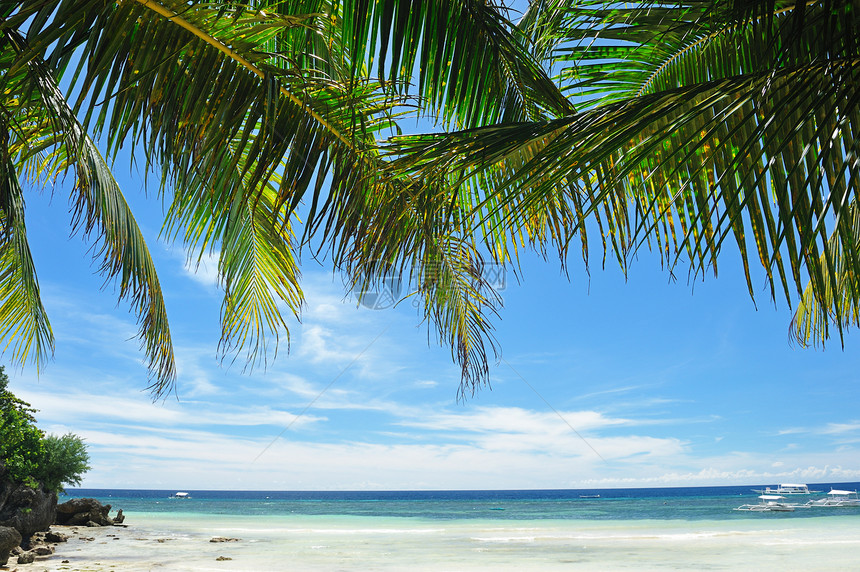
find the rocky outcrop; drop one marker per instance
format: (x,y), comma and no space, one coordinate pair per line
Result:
(27,513)
(86,512)
(9,539)
(28,510)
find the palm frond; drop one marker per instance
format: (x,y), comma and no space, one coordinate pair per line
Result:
(24,324)
(686,140)
(257,264)
(837,300)
(419,236)
(48,141)
(472,65)
(247,118)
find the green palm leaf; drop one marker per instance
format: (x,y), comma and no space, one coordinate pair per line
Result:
(698,126)
(44,140)
(472,65)
(837,300)
(23,322)
(247,113)
(257,263)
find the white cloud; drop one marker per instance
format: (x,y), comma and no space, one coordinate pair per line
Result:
(840,428)
(204,271)
(514,420)
(828,429)
(87,410)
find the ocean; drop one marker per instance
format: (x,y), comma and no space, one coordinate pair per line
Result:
(589,529)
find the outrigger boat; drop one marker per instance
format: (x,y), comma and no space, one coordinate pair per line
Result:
(769,503)
(837,497)
(786,489)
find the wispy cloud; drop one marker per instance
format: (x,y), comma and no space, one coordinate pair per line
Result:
(87,409)
(203,271)
(513,420)
(827,429)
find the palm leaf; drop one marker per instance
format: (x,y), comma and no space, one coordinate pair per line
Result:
(48,141)
(692,134)
(472,65)
(256,262)
(837,300)
(247,116)
(24,324)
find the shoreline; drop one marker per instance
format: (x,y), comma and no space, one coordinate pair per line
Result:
(179,542)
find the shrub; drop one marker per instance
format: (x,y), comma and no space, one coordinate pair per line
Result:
(21,447)
(64,461)
(29,456)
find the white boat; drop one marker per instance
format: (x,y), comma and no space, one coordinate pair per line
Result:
(837,497)
(786,489)
(768,503)
(180,495)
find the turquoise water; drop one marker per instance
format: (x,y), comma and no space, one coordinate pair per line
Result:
(624,529)
(687,503)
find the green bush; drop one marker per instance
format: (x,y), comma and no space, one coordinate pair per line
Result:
(29,456)
(65,460)
(21,447)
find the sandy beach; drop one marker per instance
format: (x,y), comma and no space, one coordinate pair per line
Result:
(173,542)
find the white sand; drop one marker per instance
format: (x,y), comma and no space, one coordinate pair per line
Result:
(182,543)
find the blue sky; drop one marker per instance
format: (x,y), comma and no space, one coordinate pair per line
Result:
(603,382)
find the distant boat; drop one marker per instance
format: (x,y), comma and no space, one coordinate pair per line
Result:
(837,497)
(768,503)
(786,489)
(589,496)
(180,495)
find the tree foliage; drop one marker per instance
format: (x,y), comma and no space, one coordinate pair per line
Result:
(699,124)
(64,461)
(21,442)
(679,126)
(29,456)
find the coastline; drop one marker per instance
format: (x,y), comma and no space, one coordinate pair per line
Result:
(182,542)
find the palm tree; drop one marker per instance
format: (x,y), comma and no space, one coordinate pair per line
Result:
(675,126)
(247,110)
(698,124)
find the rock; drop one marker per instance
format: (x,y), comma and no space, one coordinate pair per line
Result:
(83,511)
(26,558)
(55,537)
(223,539)
(26,509)
(119,518)
(222,558)
(9,539)
(43,550)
